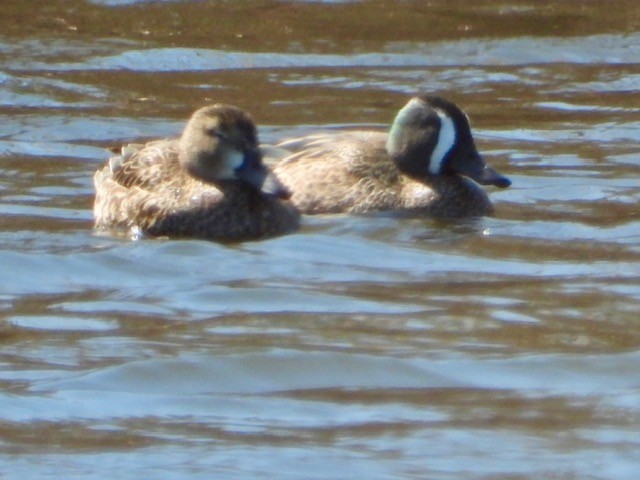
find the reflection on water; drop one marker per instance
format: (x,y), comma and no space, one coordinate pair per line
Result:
(375,347)
(607,49)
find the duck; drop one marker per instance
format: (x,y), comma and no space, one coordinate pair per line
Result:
(426,165)
(210,183)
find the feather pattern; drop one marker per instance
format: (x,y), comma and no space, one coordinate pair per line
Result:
(369,171)
(147,189)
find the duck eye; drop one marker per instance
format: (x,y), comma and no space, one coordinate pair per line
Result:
(214,132)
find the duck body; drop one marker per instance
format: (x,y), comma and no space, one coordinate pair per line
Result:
(210,184)
(422,166)
(350,172)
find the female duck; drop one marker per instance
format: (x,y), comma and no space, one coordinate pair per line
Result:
(419,167)
(210,183)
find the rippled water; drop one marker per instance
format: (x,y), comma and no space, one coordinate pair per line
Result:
(504,347)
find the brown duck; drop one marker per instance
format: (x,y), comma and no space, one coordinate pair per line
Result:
(424,166)
(210,183)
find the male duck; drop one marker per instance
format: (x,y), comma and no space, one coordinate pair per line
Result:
(210,183)
(419,167)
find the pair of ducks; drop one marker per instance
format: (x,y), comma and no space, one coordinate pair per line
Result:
(212,183)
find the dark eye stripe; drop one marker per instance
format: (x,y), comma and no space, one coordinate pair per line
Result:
(214,132)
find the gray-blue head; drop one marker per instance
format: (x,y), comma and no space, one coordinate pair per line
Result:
(431,136)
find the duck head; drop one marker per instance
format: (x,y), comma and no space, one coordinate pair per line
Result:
(220,142)
(431,136)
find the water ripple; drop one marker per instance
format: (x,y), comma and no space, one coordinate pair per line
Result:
(600,49)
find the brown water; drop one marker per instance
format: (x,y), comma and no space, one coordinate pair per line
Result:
(373,348)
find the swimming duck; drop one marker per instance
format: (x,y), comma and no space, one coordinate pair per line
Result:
(210,183)
(423,166)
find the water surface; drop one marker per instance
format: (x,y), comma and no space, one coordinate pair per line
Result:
(503,347)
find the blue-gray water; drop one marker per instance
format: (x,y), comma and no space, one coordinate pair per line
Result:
(378,348)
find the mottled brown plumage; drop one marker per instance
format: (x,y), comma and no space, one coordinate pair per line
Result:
(210,183)
(355,172)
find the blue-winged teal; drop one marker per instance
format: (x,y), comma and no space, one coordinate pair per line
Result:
(210,183)
(420,167)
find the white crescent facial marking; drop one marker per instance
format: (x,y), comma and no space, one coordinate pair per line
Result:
(446,141)
(232,160)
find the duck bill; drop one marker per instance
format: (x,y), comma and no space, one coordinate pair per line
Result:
(254,172)
(488,176)
(482,173)
(273,186)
